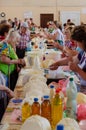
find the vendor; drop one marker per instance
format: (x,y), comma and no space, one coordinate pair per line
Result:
(78,62)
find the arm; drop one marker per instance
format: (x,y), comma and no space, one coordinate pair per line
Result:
(7,60)
(61,62)
(52,36)
(74,67)
(57,45)
(9,92)
(69,52)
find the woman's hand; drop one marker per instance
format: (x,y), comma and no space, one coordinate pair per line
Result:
(67,51)
(22,62)
(18,68)
(9,92)
(53,66)
(73,66)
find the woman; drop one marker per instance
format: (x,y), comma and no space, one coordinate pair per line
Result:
(8,58)
(4,29)
(54,33)
(3,91)
(69,47)
(77,63)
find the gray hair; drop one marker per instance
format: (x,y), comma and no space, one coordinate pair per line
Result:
(13,34)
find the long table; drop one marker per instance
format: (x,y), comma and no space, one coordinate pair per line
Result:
(12,108)
(9,116)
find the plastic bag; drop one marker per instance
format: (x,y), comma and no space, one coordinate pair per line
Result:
(82,124)
(2,79)
(81,112)
(2,82)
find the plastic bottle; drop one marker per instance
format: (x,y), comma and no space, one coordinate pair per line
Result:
(60,127)
(46,55)
(46,73)
(57,109)
(52,92)
(71,104)
(41,45)
(36,62)
(35,108)
(29,46)
(46,108)
(26,110)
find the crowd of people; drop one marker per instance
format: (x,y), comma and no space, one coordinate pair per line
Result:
(14,36)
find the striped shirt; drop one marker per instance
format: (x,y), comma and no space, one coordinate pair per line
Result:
(82,65)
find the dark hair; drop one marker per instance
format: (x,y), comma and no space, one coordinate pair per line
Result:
(71,23)
(31,19)
(58,25)
(64,24)
(4,28)
(79,34)
(70,28)
(3,21)
(68,20)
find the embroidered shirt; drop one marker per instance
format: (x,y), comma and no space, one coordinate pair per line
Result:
(6,49)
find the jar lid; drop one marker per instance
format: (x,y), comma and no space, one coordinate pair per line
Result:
(35,99)
(46,97)
(60,127)
(51,86)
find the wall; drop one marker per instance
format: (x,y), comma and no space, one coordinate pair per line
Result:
(17,8)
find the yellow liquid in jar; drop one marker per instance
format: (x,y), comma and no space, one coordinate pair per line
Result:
(25,111)
(46,110)
(57,111)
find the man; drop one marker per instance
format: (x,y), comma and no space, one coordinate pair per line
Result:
(25,37)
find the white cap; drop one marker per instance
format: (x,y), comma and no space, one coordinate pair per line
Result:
(24,24)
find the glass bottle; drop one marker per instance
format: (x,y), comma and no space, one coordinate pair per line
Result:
(35,108)
(46,108)
(71,104)
(26,110)
(57,109)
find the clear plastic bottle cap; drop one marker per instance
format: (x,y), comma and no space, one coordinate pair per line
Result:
(35,99)
(60,127)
